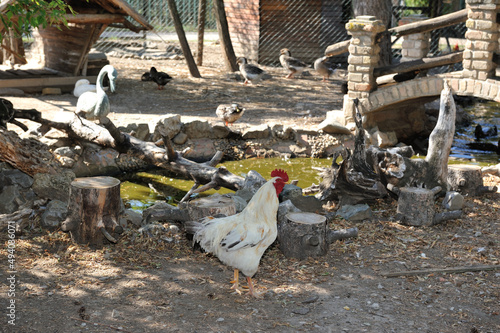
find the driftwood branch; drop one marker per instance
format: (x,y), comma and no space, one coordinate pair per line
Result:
(444,270)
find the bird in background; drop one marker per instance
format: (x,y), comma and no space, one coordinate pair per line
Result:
(481,133)
(95,105)
(324,68)
(291,64)
(251,73)
(240,240)
(229,113)
(160,78)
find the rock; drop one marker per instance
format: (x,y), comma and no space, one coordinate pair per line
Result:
(201,150)
(309,204)
(16,177)
(15,191)
(54,214)
(453,201)
(334,123)
(10,199)
(54,187)
(197,129)
(383,139)
(142,132)
(355,212)
(284,208)
(180,139)
(169,125)
(282,132)
(97,162)
(239,202)
(152,230)
(220,132)
(130,216)
(11,92)
(290,192)
(257,132)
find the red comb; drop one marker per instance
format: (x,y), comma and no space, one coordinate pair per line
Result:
(280,173)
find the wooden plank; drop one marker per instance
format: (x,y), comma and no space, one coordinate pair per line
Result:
(131,12)
(43,82)
(95,18)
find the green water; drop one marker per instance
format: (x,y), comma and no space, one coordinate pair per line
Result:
(138,194)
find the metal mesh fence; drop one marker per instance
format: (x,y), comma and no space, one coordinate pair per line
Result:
(260,28)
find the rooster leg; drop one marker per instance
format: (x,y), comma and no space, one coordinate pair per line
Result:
(235,285)
(251,289)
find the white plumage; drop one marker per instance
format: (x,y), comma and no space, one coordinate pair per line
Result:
(240,240)
(95,105)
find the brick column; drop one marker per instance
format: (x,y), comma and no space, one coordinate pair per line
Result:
(363,57)
(482,39)
(414,46)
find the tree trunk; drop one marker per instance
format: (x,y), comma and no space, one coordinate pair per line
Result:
(225,40)
(416,206)
(193,69)
(383,10)
(302,235)
(202,8)
(209,206)
(466,179)
(94,207)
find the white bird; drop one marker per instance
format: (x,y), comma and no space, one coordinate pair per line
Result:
(250,72)
(95,105)
(240,240)
(293,65)
(84,85)
(324,68)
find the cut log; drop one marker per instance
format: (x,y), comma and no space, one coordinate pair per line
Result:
(465,179)
(302,235)
(93,210)
(17,220)
(416,206)
(209,206)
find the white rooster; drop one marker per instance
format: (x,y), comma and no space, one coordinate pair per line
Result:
(240,240)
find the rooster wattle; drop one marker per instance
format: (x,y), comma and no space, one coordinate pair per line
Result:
(240,240)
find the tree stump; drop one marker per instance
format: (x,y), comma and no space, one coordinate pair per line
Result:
(94,206)
(209,206)
(416,206)
(465,179)
(302,235)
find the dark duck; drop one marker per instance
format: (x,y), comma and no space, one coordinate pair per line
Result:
(481,133)
(160,78)
(485,146)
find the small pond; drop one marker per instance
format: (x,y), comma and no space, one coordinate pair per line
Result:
(143,189)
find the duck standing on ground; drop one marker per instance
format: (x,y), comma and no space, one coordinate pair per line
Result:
(160,78)
(95,105)
(229,113)
(251,73)
(291,64)
(324,68)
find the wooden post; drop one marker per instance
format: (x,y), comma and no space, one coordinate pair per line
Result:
(225,40)
(202,8)
(303,235)
(94,206)
(193,69)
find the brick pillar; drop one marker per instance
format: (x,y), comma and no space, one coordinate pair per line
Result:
(414,46)
(363,57)
(482,39)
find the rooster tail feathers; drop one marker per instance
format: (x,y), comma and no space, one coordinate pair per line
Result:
(192,227)
(280,173)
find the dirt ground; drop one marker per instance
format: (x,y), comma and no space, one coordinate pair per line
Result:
(160,284)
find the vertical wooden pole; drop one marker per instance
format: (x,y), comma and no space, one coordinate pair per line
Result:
(202,7)
(225,40)
(193,69)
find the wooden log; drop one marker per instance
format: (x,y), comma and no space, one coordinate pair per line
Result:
(420,64)
(193,69)
(19,220)
(94,18)
(302,235)
(337,48)
(416,206)
(209,206)
(431,24)
(93,210)
(225,40)
(465,179)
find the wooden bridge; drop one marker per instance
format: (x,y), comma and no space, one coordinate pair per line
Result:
(479,59)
